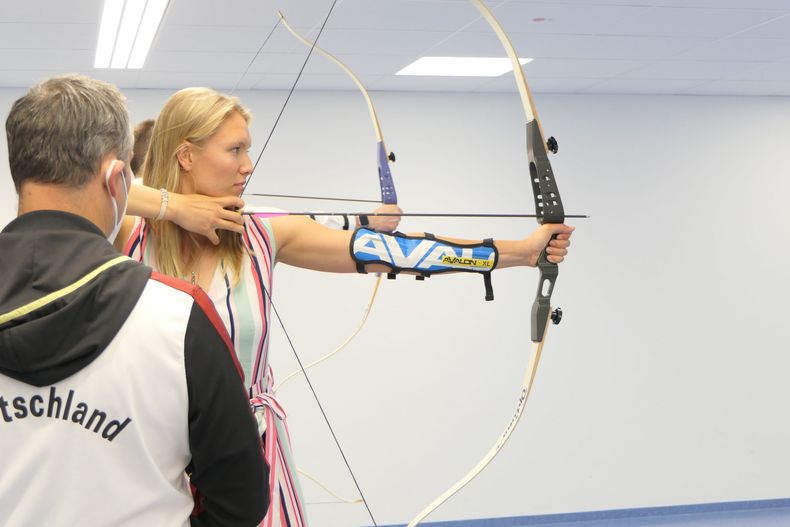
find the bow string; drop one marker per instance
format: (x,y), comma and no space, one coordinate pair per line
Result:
(387,187)
(267,293)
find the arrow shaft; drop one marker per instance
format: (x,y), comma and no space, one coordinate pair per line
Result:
(275,214)
(293,196)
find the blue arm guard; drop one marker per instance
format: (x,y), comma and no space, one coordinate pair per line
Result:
(426,255)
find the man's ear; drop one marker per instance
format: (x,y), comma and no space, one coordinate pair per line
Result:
(184,156)
(116,167)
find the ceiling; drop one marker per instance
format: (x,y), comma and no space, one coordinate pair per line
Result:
(694,47)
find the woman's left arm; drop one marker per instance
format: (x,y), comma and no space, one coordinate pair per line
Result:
(304,243)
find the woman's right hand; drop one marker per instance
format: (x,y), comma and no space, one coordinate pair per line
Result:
(204,215)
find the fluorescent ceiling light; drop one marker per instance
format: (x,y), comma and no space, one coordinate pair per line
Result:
(154,11)
(110,18)
(460,66)
(128,28)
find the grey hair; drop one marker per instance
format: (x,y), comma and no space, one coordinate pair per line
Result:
(60,131)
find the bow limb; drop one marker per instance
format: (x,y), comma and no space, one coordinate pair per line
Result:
(526,388)
(549,209)
(329,491)
(388,194)
(345,68)
(521,80)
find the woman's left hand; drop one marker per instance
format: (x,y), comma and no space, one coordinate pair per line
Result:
(385,223)
(544,238)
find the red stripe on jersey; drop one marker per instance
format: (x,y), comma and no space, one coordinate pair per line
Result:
(202,300)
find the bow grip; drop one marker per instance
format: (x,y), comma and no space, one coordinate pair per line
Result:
(542,304)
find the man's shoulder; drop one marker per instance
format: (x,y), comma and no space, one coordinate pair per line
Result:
(195,296)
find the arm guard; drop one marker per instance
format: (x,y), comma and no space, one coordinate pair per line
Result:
(425,255)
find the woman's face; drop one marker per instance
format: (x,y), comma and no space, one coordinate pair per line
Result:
(221,166)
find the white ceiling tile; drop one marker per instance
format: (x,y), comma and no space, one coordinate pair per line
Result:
(211,13)
(753,88)
(23,78)
(172,80)
(579,68)
(540,84)
(353,41)
(741,49)
(648,19)
(121,78)
(361,65)
(197,62)
(51,11)
(338,81)
(30,36)
(643,86)
(701,22)
(387,15)
(721,4)
(688,69)
(53,60)
(273,81)
(290,63)
(202,38)
(379,42)
(565,18)
(27,78)
(451,84)
(568,46)
(779,27)
(779,5)
(774,71)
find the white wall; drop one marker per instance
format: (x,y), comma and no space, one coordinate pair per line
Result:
(665,383)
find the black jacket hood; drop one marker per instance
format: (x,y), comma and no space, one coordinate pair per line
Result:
(42,253)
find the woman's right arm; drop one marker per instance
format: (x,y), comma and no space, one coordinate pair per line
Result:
(193,212)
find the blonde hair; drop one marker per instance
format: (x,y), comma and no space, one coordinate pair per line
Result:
(191,115)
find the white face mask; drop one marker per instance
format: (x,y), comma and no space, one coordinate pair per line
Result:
(118,214)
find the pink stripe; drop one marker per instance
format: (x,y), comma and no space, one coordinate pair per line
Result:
(280,475)
(260,250)
(257,364)
(296,506)
(263,245)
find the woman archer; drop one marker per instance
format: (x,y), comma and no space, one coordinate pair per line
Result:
(200,146)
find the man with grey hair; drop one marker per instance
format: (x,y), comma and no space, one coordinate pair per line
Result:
(114,381)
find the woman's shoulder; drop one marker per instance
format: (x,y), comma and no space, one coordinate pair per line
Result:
(259,233)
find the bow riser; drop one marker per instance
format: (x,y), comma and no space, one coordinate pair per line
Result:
(541,306)
(549,208)
(388,194)
(548,205)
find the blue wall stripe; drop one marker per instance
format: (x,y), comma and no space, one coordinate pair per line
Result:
(775,512)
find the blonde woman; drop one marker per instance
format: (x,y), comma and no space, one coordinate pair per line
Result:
(199,146)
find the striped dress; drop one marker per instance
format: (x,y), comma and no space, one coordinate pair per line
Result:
(244,308)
